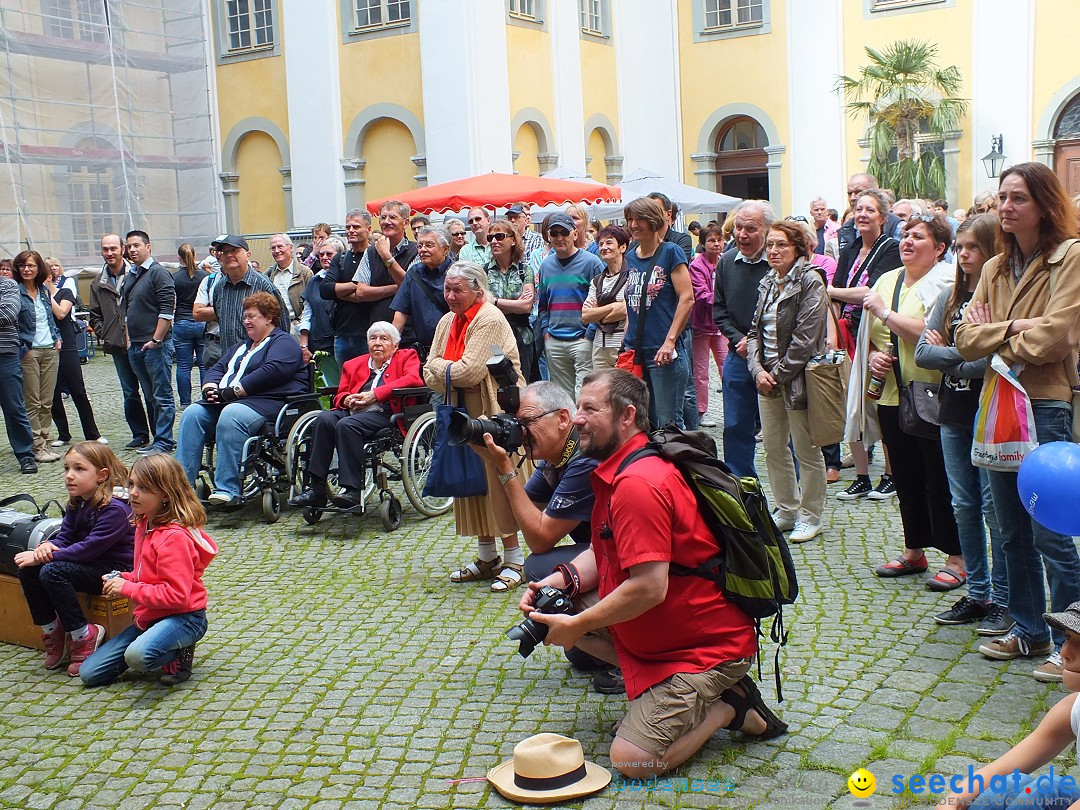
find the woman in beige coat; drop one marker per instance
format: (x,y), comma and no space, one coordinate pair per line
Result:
(463,340)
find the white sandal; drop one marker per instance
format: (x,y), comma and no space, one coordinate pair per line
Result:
(511,576)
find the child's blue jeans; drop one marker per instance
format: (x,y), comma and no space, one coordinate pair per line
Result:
(143,650)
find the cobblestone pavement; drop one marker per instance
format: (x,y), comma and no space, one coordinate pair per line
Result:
(343,670)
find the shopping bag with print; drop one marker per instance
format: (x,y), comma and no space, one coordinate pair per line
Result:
(1005,423)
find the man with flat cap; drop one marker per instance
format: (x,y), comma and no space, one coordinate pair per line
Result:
(238,280)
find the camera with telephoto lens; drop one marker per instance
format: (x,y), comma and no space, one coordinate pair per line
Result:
(505,429)
(529,633)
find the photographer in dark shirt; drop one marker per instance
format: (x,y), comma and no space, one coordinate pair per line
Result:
(557,500)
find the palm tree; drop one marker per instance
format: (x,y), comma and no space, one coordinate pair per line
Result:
(903,93)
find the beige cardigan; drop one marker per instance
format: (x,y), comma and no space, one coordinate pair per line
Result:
(1048,349)
(489,328)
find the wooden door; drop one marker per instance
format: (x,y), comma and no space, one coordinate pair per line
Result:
(1067,164)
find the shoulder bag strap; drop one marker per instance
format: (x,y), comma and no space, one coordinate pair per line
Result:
(22,496)
(439,303)
(640,336)
(892,334)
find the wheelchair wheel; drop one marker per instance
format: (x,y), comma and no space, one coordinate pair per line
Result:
(390,512)
(271,506)
(416,461)
(312,516)
(297,447)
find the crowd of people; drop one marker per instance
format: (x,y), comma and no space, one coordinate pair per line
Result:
(611,332)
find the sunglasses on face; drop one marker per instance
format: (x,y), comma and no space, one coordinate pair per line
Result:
(497,237)
(559,232)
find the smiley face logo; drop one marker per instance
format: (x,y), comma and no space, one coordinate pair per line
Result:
(862,783)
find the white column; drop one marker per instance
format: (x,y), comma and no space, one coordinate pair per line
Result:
(564,23)
(1000,27)
(647,68)
(464,73)
(816,144)
(310,33)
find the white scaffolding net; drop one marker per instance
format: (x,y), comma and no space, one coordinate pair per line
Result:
(104,126)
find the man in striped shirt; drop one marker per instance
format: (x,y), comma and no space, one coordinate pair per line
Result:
(565,276)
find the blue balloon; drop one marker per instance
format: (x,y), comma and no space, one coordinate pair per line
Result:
(1049,486)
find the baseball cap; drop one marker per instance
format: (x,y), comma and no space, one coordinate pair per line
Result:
(515,210)
(561,221)
(229,240)
(1067,620)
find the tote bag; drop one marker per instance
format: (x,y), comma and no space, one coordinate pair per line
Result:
(456,472)
(826,397)
(1005,423)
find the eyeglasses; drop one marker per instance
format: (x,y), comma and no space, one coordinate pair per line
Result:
(456,233)
(777,245)
(532,420)
(325,253)
(249,318)
(922,218)
(558,232)
(798,218)
(497,237)
(474,220)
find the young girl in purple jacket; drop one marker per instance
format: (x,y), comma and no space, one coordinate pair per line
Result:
(97,536)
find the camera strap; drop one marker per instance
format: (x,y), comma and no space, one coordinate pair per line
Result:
(568,449)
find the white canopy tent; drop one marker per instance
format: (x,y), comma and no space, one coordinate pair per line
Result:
(638,183)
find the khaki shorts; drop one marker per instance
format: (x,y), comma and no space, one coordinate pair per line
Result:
(677,705)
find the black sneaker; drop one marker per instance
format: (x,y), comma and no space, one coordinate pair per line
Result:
(998,622)
(27,465)
(609,682)
(135,444)
(884,490)
(179,669)
(859,488)
(965,611)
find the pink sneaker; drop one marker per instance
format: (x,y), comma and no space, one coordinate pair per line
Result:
(81,650)
(56,647)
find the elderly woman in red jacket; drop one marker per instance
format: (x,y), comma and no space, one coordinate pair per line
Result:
(362,407)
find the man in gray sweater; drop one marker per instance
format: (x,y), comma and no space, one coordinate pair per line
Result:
(148,304)
(11,381)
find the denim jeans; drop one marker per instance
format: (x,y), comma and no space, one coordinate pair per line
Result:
(971,503)
(143,650)
(14,407)
(52,590)
(153,368)
(668,386)
(232,426)
(740,416)
(134,413)
(1057,795)
(1028,546)
(189,338)
(346,347)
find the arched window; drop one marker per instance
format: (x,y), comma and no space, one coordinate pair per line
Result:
(1068,125)
(741,160)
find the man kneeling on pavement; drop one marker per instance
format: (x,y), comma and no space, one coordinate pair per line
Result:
(685,651)
(556,501)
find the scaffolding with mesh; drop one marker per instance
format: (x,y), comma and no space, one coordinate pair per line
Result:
(105,126)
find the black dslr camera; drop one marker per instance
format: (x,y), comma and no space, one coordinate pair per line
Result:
(529,633)
(505,429)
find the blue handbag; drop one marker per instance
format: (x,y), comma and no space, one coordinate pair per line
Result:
(456,472)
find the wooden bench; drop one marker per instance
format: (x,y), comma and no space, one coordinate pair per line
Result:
(16,626)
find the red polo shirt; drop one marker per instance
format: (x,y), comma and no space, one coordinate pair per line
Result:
(653,516)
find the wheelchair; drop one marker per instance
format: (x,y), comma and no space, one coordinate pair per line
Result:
(389,457)
(264,460)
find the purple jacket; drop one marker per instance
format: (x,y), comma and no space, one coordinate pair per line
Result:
(88,534)
(702,276)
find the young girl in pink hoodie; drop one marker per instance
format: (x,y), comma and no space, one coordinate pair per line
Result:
(171,552)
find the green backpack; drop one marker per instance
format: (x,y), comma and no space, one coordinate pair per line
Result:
(753,565)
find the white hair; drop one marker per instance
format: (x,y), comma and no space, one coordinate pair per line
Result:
(474,275)
(358,212)
(439,232)
(384,328)
(284,237)
(768,215)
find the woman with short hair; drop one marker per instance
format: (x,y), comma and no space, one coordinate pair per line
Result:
(789,328)
(462,343)
(1026,308)
(605,304)
(363,406)
(242,392)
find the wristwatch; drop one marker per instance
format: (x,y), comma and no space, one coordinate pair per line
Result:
(504,478)
(886,315)
(238,390)
(157,342)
